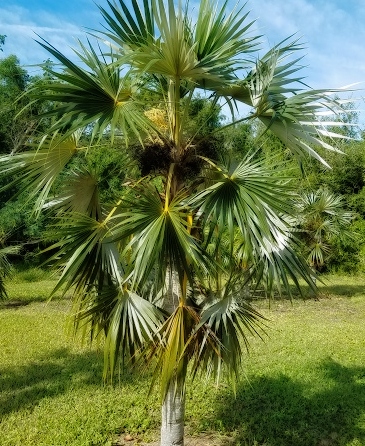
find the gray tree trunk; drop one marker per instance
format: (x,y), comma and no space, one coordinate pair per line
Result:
(173,407)
(173,417)
(172,293)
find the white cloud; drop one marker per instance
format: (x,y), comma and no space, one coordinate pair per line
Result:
(21,26)
(332,31)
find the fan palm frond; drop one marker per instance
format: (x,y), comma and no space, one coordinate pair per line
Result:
(294,121)
(79,195)
(250,198)
(132,322)
(280,102)
(88,258)
(223,42)
(37,170)
(126,30)
(103,97)
(221,37)
(321,217)
(207,51)
(226,323)
(159,236)
(281,270)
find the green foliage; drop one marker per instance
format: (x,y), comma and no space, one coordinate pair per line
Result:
(112,166)
(13,82)
(205,116)
(30,274)
(19,224)
(352,252)
(347,173)
(14,79)
(356,202)
(346,179)
(240,140)
(322,223)
(2,41)
(5,267)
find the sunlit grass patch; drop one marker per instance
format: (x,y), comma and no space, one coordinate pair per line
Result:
(30,285)
(303,386)
(51,390)
(30,274)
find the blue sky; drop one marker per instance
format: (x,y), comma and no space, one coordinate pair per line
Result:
(333,30)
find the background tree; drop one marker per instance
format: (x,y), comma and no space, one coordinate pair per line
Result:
(13,82)
(2,41)
(345,181)
(17,224)
(322,221)
(158,269)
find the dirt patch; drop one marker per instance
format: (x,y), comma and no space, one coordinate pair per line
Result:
(201,440)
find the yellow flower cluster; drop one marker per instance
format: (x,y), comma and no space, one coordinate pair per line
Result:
(158,117)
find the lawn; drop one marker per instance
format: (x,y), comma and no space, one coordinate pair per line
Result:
(304,385)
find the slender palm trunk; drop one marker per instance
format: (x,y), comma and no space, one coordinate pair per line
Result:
(173,406)
(173,416)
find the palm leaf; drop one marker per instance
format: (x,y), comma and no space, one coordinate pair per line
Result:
(124,29)
(172,55)
(37,170)
(133,321)
(222,41)
(79,195)
(126,319)
(227,321)
(248,198)
(281,269)
(169,347)
(256,203)
(207,52)
(293,121)
(102,97)
(321,217)
(279,102)
(159,236)
(87,258)
(270,75)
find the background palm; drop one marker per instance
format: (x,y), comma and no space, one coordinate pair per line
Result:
(321,218)
(162,271)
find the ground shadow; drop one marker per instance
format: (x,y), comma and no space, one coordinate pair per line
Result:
(21,301)
(13,304)
(50,375)
(346,290)
(278,411)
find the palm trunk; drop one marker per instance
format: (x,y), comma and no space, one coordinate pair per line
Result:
(173,416)
(173,406)
(172,293)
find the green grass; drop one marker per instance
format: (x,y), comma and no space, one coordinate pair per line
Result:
(303,386)
(27,285)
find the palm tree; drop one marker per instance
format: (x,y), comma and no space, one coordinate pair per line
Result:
(321,220)
(5,266)
(162,272)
